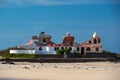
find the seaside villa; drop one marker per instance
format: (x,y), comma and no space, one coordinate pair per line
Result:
(44,45)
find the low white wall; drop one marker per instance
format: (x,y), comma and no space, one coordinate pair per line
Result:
(22,51)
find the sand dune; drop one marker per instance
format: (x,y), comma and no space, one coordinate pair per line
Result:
(60,71)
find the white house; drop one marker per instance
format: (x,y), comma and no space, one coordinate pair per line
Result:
(44,45)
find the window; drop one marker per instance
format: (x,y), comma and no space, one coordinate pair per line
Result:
(40,48)
(54,48)
(99,41)
(97,49)
(90,42)
(88,49)
(44,40)
(78,49)
(95,41)
(35,42)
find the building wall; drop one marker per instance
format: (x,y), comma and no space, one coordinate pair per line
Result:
(48,50)
(93,50)
(45,50)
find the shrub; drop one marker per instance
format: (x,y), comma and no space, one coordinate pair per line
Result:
(62,51)
(104,51)
(110,59)
(118,56)
(19,55)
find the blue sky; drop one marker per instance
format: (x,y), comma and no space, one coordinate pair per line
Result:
(20,19)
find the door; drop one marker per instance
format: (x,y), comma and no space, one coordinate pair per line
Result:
(82,50)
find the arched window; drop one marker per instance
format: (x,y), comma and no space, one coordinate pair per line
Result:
(95,41)
(35,42)
(97,49)
(44,40)
(78,49)
(90,42)
(99,41)
(56,48)
(88,49)
(40,48)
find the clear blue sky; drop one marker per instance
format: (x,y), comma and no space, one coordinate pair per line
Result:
(20,19)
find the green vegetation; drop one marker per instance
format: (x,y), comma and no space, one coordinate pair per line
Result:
(67,51)
(18,55)
(111,59)
(4,52)
(62,51)
(118,56)
(104,51)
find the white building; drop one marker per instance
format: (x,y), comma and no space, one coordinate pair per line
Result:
(44,45)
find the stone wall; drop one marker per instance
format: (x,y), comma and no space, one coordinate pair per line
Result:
(77,55)
(100,55)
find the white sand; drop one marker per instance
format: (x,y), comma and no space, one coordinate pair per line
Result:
(61,71)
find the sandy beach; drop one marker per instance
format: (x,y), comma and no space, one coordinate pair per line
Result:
(60,71)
